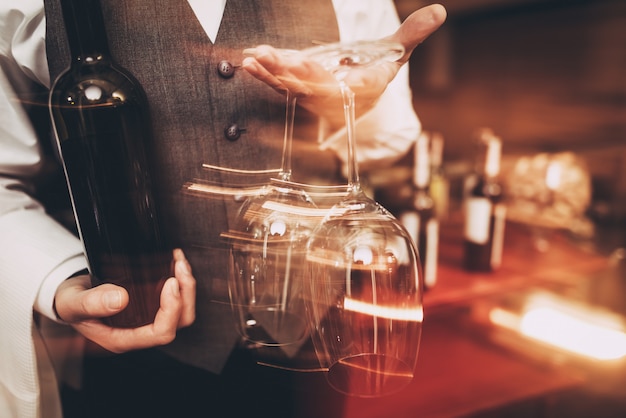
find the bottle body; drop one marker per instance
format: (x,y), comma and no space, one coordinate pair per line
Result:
(485,210)
(101,121)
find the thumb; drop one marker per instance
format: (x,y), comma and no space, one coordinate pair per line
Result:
(417,27)
(76,301)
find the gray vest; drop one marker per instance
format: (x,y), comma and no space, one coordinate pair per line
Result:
(163,44)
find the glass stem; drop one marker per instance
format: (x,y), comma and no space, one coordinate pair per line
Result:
(285,170)
(354,185)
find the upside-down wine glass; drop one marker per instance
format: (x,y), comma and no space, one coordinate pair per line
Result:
(268,245)
(365,301)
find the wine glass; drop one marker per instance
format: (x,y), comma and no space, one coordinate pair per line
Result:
(365,300)
(268,243)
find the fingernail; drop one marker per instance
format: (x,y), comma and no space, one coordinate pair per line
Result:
(174,288)
(249,63)
(113,300)
(178,254)
(249,51)
(184,266)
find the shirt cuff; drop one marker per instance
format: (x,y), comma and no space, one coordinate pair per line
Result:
(44,302)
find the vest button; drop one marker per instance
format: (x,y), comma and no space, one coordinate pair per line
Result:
(232,132)
(225,69)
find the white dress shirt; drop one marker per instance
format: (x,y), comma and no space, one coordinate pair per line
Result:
(36,253)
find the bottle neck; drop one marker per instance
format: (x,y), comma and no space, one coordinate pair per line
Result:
(436,152)
(421,168)
(492,159)
(85,30)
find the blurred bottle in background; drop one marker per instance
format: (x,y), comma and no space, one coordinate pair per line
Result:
(439,182)
(485,211)
(421,218)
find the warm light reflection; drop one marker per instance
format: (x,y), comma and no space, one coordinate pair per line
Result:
(238,170)
(387,312)
(305,211)
(93,93)
(363,255)
(561,329)
(377,264)
(211,189)
(573,334)
(553,175)
(278,227)
(375,369)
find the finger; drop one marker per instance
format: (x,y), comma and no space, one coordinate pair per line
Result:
(276,69)
(75,300)
(417,27)
(169,313)
(187,285)
(162,331)
(271,59)
(252,66)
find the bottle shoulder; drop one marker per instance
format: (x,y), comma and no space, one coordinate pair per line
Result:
(489,188)
(96,84)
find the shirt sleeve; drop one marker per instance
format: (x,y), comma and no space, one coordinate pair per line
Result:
(33,247)
(36,253)
(387,131)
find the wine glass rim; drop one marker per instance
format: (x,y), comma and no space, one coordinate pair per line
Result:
(395,49)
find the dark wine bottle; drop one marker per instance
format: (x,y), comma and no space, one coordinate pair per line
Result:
(101,120)
(420,219)
(485,213)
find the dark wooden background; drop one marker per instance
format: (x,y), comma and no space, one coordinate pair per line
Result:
(545,75)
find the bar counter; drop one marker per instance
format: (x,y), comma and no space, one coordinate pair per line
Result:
(467,368)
